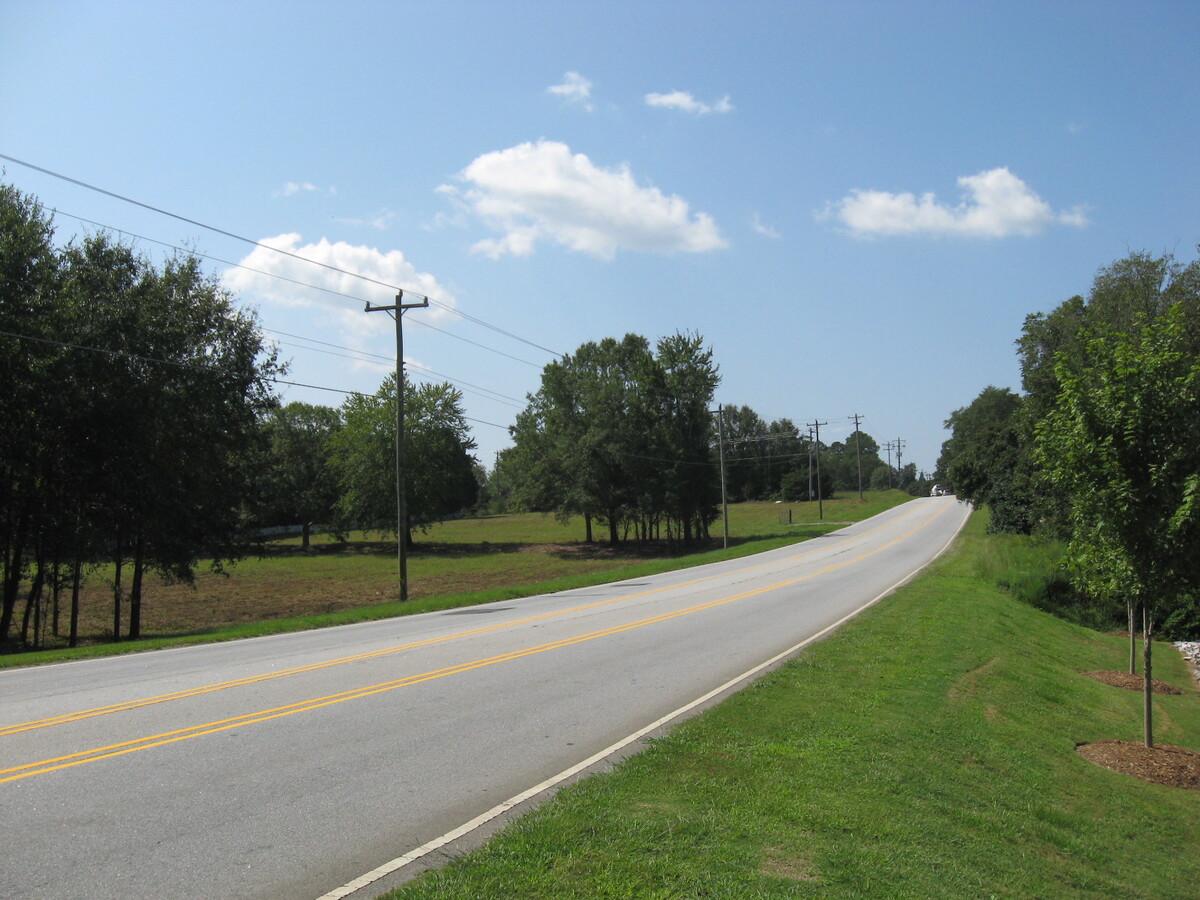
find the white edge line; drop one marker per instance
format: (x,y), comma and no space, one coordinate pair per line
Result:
(449,837)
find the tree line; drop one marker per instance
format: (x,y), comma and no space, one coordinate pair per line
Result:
(1101,448)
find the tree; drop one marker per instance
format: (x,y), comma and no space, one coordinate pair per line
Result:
(300,485)
(1123,444)
(624,436)
(131,408)
(987,461)
(439,474)
(29,281)
(174,387)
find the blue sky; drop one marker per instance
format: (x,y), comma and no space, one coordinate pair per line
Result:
(856,204)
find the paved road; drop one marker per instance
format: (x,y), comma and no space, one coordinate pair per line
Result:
(284,767)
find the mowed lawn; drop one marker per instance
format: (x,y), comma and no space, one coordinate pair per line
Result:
(454,563)
(925,750)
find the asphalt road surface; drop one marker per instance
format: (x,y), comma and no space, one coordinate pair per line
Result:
(289,766)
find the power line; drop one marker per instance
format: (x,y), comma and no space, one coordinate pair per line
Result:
(202,368)
(254,243)
(303,284)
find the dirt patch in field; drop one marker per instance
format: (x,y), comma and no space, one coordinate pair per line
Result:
(1132,682)
(1163,764)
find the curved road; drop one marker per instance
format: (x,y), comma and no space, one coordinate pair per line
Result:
(288,766)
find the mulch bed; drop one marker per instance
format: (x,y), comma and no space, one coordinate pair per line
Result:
(1133,682)
(1161,764)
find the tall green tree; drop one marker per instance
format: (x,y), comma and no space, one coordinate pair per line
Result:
(987,460)
(300,485)
(623,436)
(1123,444)
(439,474)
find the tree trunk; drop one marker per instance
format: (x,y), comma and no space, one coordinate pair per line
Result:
(14,566)
(1131,612)
(587,524)
(135,590)
(73,640)
(1146,645)
(119,562)
(34,600)
(306,530)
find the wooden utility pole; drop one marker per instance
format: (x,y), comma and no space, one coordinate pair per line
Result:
(397,313)
(721,444)
(858,453)
(816,426)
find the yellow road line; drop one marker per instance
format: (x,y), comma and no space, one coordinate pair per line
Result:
(66,718)
(41,767)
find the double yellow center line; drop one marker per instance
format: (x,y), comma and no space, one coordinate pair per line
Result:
(158,740)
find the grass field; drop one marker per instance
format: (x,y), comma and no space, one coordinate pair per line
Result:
(926,750)
(454,563)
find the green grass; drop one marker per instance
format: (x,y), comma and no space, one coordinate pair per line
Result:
(457,563)
(926,750)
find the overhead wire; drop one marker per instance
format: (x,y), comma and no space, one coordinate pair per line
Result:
(200,368)
(237,237)
(276,275)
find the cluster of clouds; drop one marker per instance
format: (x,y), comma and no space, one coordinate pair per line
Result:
(289,272)
(542,191)
(578,90)
(995,204)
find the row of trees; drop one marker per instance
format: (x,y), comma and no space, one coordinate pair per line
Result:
(1102,448)
(625,435)
(336,467)
(132,451)
(622,435)
(142,432)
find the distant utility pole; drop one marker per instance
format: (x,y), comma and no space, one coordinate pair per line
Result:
(888,448)
(721,445)
(397,313)
(820,500)
(858,453)
(899,470)
(810,454)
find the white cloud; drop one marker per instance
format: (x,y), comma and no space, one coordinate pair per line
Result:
(381,221)
(684,101)
(995,203)
(291,188)
(390,267)
(295,187)
(762,228)
(543,191)
(575,89)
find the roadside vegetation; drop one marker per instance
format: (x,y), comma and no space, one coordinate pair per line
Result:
(1099,455)
(927,749)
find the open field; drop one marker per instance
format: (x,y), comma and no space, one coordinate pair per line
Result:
(454,563)
(926,750)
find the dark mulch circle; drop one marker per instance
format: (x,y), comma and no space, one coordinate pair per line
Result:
(1133,682)
(1163,764)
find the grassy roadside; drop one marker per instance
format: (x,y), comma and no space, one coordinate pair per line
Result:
(456,563)
(926,750)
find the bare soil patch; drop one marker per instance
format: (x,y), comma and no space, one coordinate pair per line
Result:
(1163,764)
(1132,682)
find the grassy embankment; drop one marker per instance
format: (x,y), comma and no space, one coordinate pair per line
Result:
(454,564)
(926,750)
